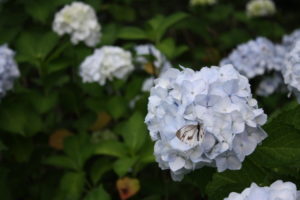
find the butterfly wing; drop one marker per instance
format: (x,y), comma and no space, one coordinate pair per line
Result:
(191,134)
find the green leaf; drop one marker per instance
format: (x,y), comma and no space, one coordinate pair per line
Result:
(111,148)
(132,33)
(99,168)
(79,149)
(169,48)
(13,118)
(235,181)
(57,66)
(60,161)
(43,103)
(135,132)
(123,165)
(72,184)
(146,155)
(98,194)
(34,47)
(33,123)
(161,24)
(281,148)
(117,107)
(20,119)
(39,10)
(110,34)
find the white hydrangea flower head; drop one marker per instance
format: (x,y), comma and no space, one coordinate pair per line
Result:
(290,40)
(202,2)
(80,21)
(106,63)
(269,85)
(279,190)
(148,54)
(8,69)
(291,70)
(203,118)
(254,57)
(260,8)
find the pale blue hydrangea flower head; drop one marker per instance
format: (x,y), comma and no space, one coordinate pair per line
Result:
(289,41)
(8,69)
(291,70)
(203,118)
(279,190)
(269,85)
(254,57)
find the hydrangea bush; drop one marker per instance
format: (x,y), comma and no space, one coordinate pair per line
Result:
(95,102)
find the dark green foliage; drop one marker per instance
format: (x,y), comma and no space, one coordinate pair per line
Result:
(50,96)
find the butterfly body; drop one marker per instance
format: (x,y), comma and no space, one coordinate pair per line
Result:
(191,134)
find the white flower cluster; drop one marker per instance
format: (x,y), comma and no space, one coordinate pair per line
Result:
(202,2)
(80,21)
(255,57)
(291,70)
(8,69)
(279,190)
(148,55)
(259,8)
(207,117)
(107,62)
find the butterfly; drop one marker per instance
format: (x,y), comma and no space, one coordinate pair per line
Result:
(191,134)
